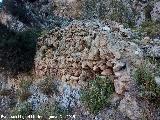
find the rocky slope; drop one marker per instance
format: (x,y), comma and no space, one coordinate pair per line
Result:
(50,13)
(21,15)
(73,53)
(72,56)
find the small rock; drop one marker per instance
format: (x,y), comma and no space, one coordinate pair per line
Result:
(117,55)
(119,66)
(68,77)
(84,65)
(106,28)
(102,66)
(75,65)
(83,76)
(146,40)
(107,72)
(74,78)
(122,82)
(157,79)
(130,108)
(90,64)
(63,78)
(94,54)
(96,68)
(77,73)
(43,48)
(118,74)
(119,87)
(109,64)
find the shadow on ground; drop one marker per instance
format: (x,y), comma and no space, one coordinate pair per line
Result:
(17,50)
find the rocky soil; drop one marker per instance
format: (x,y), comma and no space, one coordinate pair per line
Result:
(74,55)
(73,52)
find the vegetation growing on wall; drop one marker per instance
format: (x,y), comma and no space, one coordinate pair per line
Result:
(148,87)
(150,28)
(114,10)
(97,94)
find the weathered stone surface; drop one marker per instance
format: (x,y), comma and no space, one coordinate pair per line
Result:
(130,107)
(101,54)
(105,55)
(157,79)
(146,40)
(156,12)
(107,72)
(119,66)
(151,51)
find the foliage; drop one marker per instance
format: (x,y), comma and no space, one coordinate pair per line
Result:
(148,86)
(120,13)
(90,8)
(151,28)
(113,9)
(17,49)
(48,86)
(23,109)
(53,109)
(97,94)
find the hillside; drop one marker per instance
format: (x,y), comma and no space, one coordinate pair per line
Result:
(80,59)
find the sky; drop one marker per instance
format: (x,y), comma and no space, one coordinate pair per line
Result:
(0,0)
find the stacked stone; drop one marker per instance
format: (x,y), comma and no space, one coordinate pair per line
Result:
(83,50)
(74,53)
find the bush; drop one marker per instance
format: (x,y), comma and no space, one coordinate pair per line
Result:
(53,109)
(48,87)
(109,9)
(151,28)
(17,50)
(147,85)
(90,9)
(24,109)
(120,13)
(97,94)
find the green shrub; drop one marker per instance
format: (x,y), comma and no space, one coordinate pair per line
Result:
(17,49)
(147,85)
(48,87)
(97,94)
(46,111)
(113,9)
(53,109)
(23,109)
(120,13)
(151,28)
(90,9)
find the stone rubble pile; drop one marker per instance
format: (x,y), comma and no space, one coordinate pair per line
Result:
(83,50)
